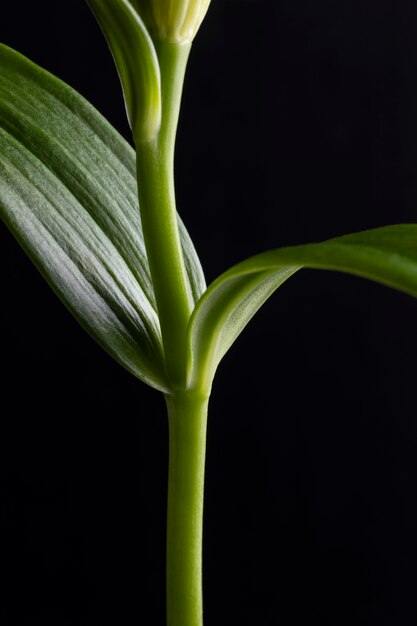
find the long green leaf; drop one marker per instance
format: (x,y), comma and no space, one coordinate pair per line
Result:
(68,194)
(387,255)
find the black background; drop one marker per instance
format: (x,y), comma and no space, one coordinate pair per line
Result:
(298,124)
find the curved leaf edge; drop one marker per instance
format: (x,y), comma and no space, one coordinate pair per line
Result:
(387,255)
(77,105)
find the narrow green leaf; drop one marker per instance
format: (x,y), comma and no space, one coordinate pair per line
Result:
(68,194)
(136,61)
(387,255)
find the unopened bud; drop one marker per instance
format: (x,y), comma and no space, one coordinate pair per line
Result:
(175,21)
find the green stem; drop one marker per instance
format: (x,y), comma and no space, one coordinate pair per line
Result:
(187,410)
(187,445)
(155,170)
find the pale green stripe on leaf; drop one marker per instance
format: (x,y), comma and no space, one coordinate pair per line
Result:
(68,193)
(82,150)
(80,263)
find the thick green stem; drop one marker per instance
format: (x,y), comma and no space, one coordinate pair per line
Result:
(187,446)
(155,169)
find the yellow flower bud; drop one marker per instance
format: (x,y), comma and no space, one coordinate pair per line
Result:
(175,21)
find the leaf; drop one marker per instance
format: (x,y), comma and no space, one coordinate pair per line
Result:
(68,194)
(387,255)
(136,62)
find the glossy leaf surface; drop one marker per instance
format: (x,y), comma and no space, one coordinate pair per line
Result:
(387,255)
(68,194)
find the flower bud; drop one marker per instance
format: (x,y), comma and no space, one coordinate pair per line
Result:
(175,21)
